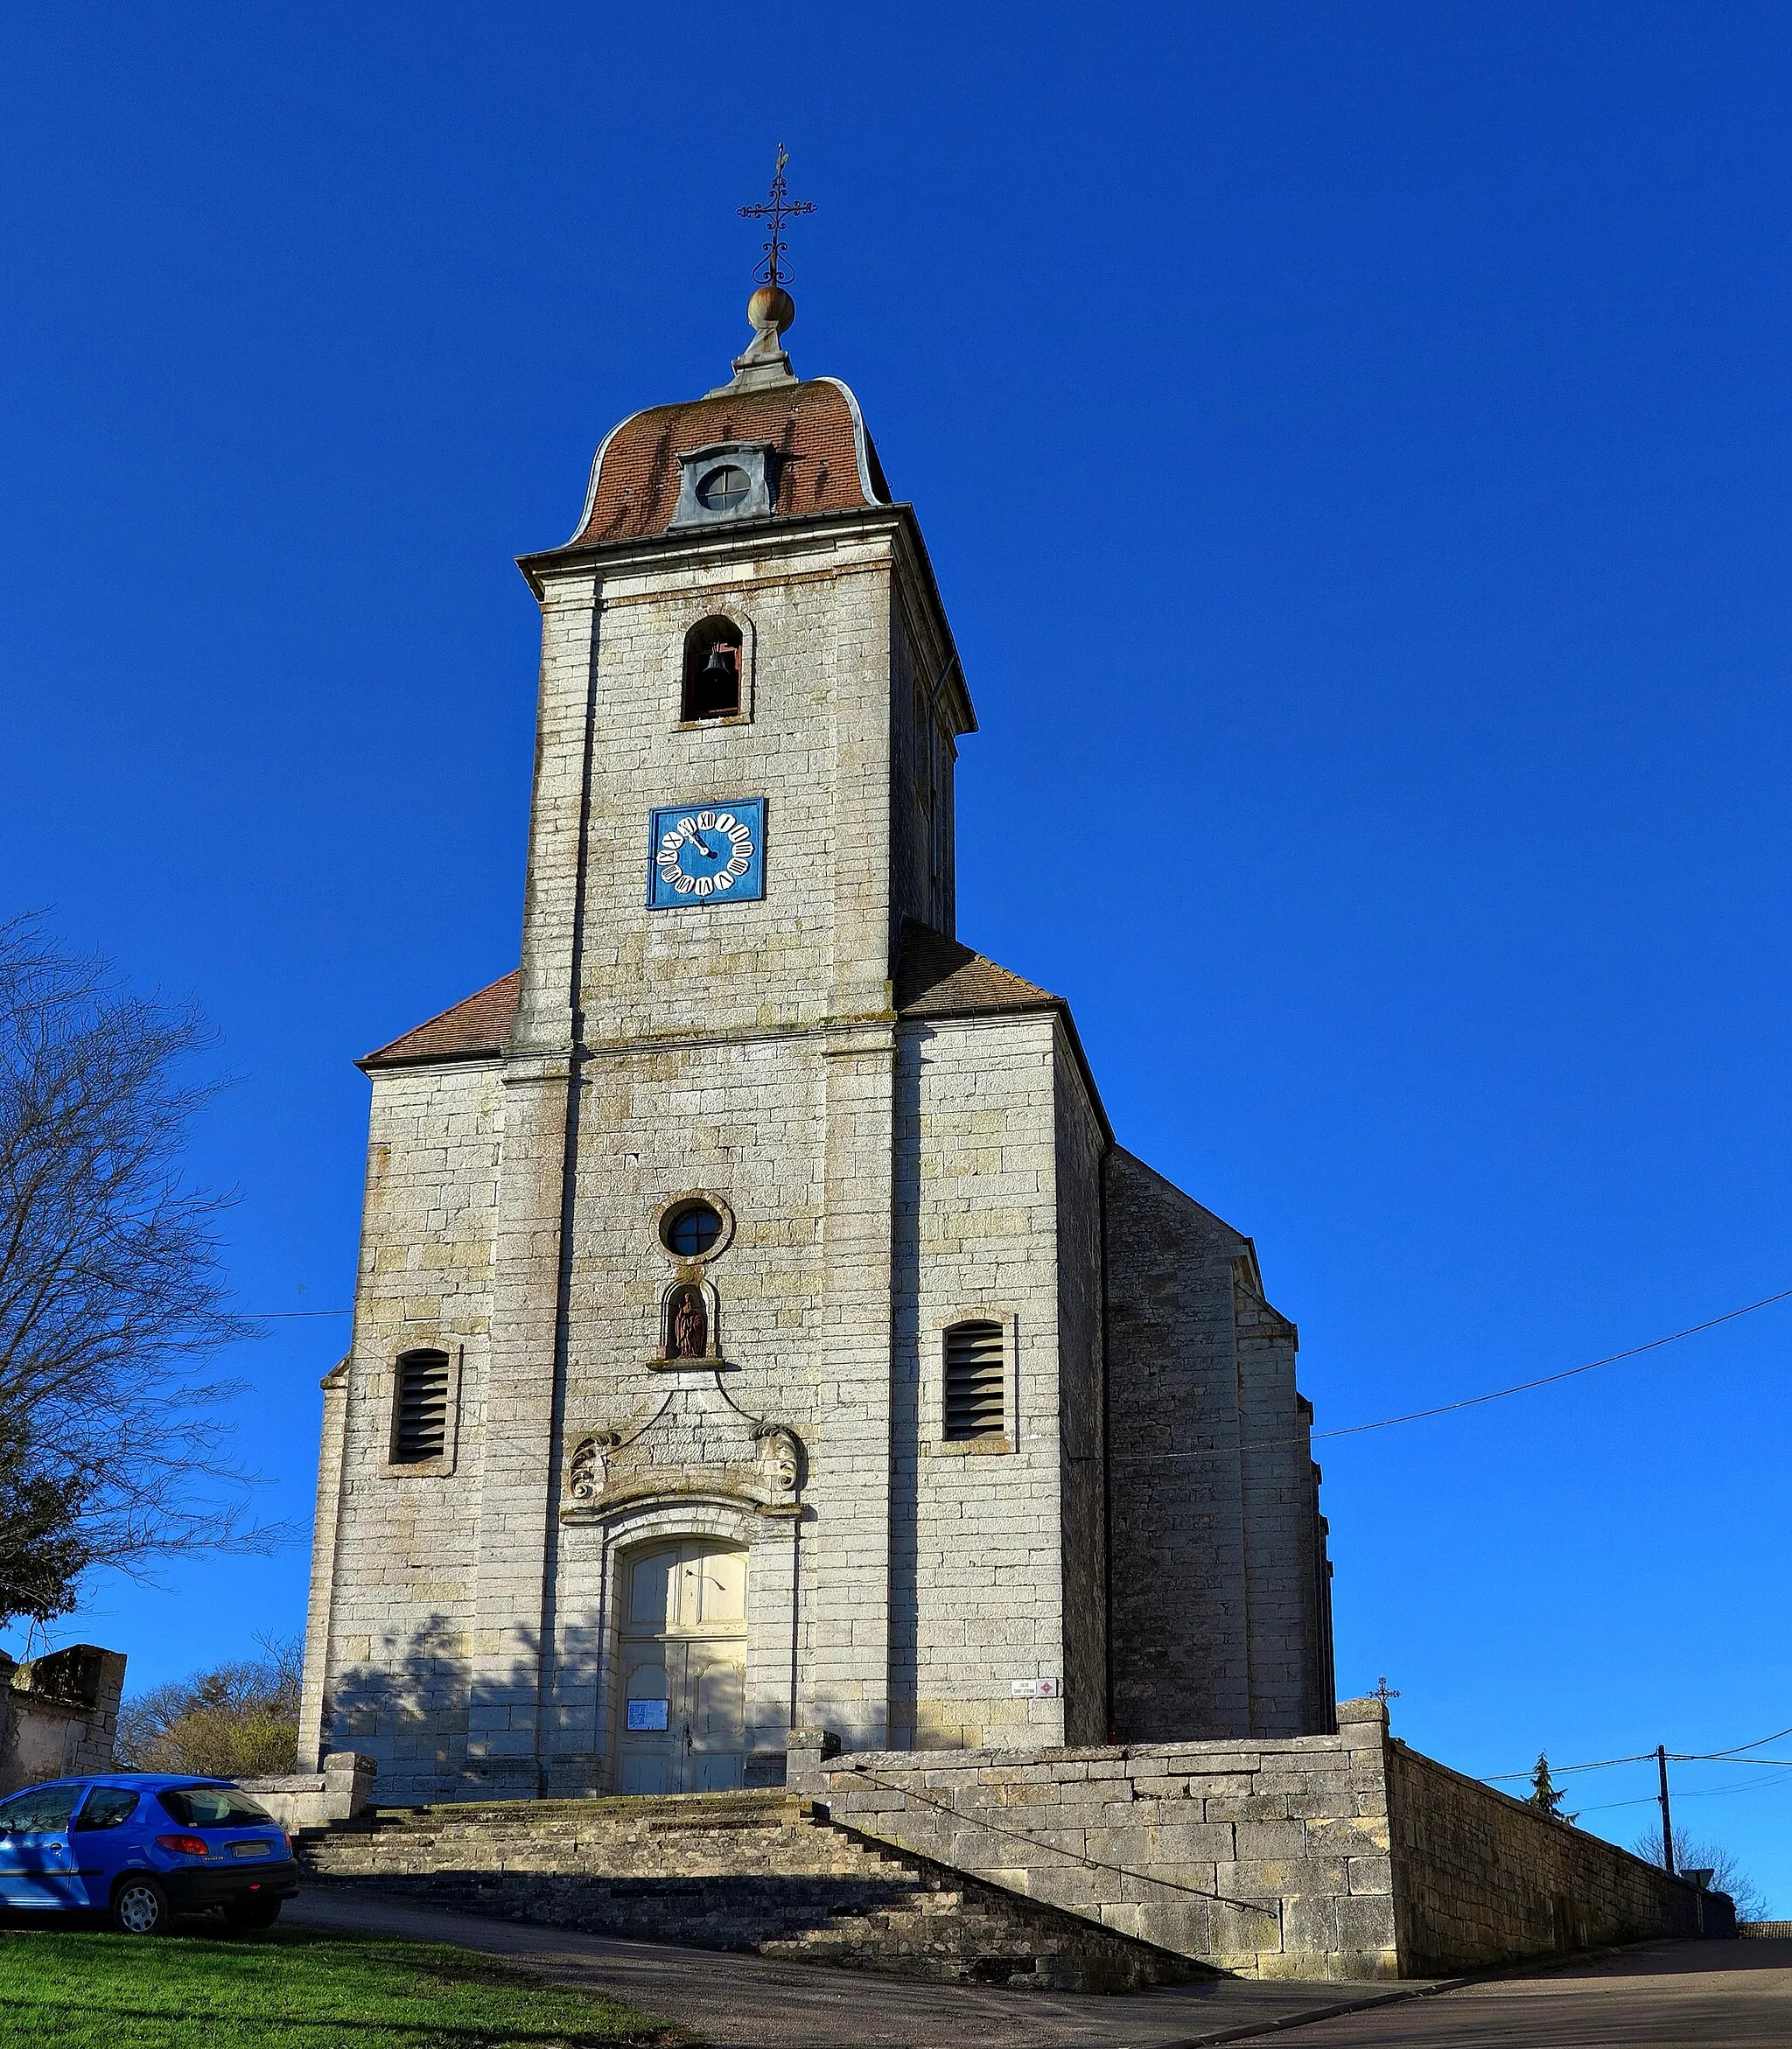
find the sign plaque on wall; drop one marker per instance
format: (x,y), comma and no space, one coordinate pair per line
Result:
(1036,1689)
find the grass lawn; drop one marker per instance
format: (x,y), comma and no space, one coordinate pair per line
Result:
(287,1989)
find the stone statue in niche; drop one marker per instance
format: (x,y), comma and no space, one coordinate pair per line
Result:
(687,1324)
(780,1462)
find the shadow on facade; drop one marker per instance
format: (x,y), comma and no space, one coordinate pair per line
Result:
(411,1710)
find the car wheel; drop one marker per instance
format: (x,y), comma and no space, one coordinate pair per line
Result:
(140,1907)
(251,1913)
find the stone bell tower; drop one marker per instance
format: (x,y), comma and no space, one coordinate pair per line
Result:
(744,628)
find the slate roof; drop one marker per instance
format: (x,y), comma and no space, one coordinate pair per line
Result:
(476,1028)
(812,425)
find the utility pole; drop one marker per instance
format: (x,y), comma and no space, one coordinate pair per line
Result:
(1666,1818)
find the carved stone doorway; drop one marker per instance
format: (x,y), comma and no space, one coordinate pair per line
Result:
(682,1719)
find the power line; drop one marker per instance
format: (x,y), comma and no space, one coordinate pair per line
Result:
(1649,1800)
(1645,1756)
(1550,1379)
(1675,1757)
(1756,1744)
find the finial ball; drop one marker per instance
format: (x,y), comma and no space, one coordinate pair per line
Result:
(771,306)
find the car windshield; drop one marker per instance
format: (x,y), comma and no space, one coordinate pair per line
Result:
(212,1807)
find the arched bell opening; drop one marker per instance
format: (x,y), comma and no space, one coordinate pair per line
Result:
(712,670)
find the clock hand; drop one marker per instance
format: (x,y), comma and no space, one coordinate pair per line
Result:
(703,846)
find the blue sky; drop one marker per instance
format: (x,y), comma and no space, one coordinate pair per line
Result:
(1353,441)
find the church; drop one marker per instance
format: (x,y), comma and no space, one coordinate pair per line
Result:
(758,1324)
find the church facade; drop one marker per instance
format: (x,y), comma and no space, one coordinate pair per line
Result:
(758,1324)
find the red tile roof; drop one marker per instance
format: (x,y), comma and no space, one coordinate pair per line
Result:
(812,425)
(476,1027)
(936,977)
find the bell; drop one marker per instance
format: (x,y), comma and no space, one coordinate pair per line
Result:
(718,670)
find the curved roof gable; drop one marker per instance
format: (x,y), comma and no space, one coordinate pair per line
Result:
(826,460)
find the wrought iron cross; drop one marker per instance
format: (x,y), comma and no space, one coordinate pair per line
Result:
(779,208)
(1384,1693)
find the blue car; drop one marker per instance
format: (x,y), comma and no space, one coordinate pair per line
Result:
(143,1847)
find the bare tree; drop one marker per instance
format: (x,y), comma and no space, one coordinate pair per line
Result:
(238,1721)
(111,1292)
(1692,1855)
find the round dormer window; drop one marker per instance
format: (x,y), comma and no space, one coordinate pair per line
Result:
(722,489)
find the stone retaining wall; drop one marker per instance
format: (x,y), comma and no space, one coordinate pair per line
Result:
(732,1871)
(1269,1858)
(1482,1879)
(1314,1856)
(341,1792)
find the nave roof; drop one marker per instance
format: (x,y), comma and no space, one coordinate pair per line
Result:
(935,977)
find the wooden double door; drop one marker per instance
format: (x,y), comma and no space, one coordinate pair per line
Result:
(682,1721)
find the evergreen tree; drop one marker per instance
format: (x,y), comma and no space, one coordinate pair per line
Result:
(1544,1793)
(43,1552)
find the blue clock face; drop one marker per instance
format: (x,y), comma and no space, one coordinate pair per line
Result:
(707,854)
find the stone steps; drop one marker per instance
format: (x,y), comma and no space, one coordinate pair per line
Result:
(761,1871)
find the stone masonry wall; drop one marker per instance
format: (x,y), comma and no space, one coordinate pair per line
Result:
(1081,1442)
(1482,1879)
(923,756)
(744,1121)
(59,1714)
(1180,1660)
(976,1572)
(1280,1521)
(401,1563)
(1268,1858)
(1331,1857)
(1217,1618)
(815,740)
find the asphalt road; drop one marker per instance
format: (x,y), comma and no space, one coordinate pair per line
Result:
(1669,1996)
(758,2002)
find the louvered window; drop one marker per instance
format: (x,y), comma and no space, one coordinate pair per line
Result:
(975,1371)
(420,1429)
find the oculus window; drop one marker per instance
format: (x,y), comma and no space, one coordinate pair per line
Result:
(692,1230)
(723,488)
